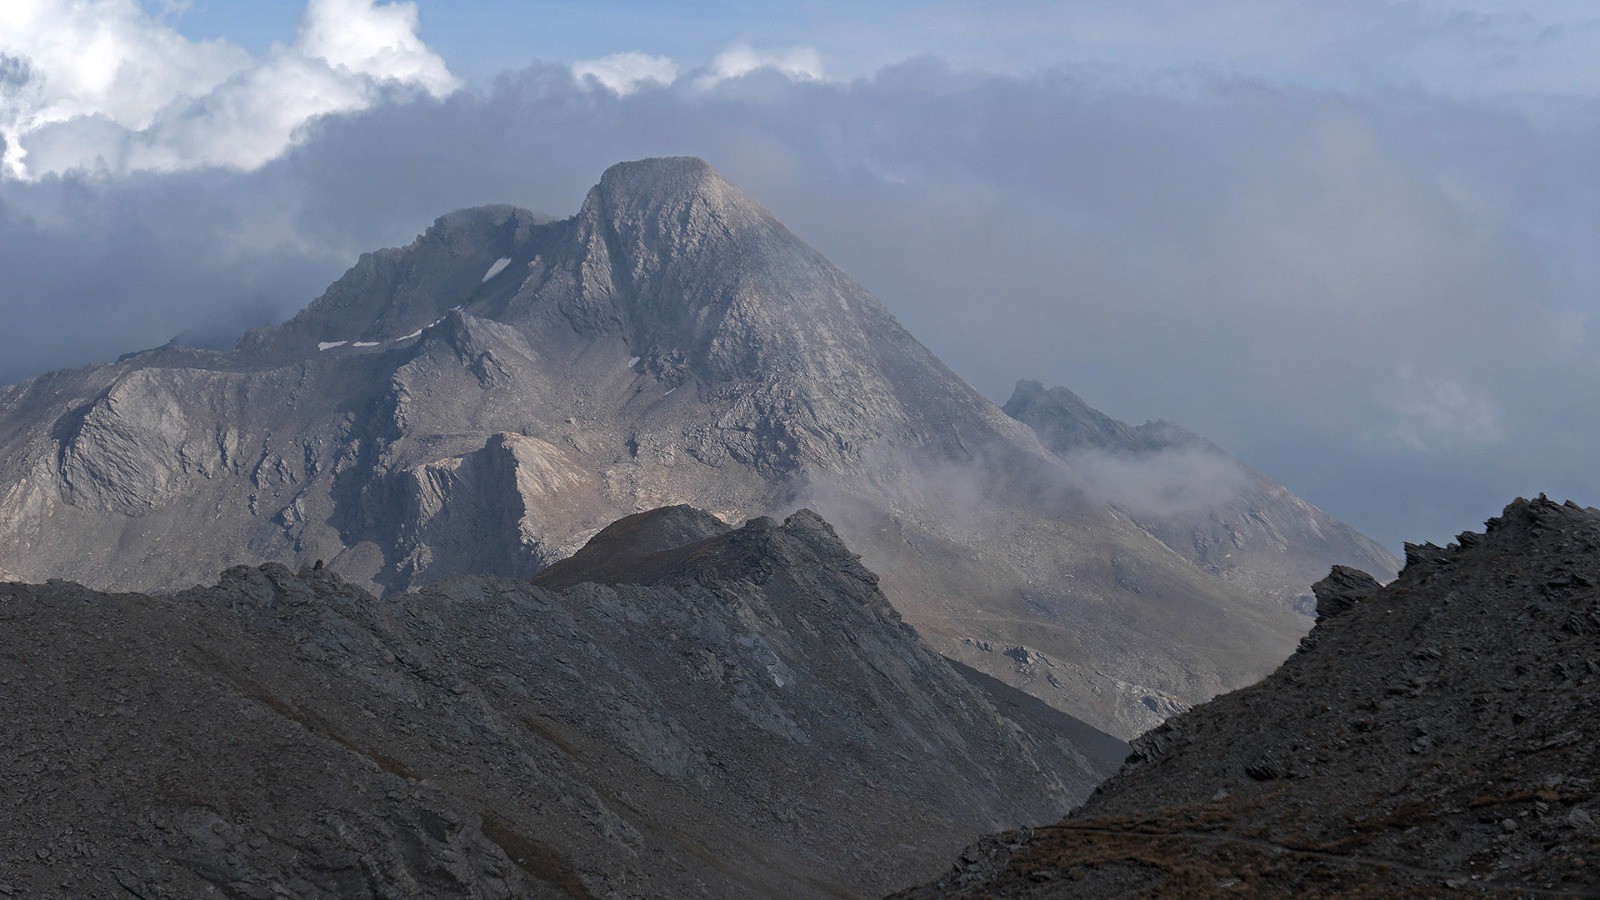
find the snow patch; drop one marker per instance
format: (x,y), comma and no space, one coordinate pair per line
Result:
(365,344)
(329,345)
(498,267)
(634,361)
(418,332)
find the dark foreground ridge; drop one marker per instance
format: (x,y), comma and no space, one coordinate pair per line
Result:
(1434,736)
(733,712)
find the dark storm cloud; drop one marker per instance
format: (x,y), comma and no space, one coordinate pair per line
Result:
(1382,299)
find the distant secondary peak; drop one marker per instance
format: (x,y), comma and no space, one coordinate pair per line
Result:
(1026,389)
(394,294)
(1065,423)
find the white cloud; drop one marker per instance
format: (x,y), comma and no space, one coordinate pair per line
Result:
(798,63)
(361,38)
(1175,481)
(624,73)
(100,85)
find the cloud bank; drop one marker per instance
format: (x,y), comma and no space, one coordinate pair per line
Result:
(102,86)
(1381,297)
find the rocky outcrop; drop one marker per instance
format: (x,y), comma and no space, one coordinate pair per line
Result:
(710,716)
(1438,735)
(1342,589)
(482,512)
(634,547)
(1204,504)
(487,398)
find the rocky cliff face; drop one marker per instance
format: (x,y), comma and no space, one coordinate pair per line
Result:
(485,399)
(694,711)
(1433,736)
(1204,504)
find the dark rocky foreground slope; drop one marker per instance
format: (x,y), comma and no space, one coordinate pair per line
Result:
(485,399)
(1435,736)
(682,710)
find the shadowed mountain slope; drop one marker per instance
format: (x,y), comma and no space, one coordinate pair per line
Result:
(1436,736)
(713,727)
(485,399)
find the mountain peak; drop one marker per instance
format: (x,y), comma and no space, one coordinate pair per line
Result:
(657,169)
(663,178)
(390,294)
(663,200)
(1066,423)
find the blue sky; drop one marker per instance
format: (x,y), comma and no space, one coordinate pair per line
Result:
(1483,48)
(1356,243)
(483,39)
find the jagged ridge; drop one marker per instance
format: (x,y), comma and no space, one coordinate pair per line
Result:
(1438,734)
(712,727)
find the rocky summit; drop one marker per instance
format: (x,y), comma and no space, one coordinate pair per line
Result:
(683,709)
(484,400)
(1439,735)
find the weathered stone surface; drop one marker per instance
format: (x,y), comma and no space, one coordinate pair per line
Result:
(712,723)
(1343,588)
(1440,734)
(670,343)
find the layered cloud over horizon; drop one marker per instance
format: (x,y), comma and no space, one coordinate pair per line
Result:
(1381,296)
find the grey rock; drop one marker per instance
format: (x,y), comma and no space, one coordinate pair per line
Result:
(706,713)
(670,343)
(1342,589)
(1307,785)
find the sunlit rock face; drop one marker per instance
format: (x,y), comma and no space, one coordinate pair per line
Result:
(487,398)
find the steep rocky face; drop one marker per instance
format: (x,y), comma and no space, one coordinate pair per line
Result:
(1438,735)
(487,398)
(1190,494)
(713,718)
